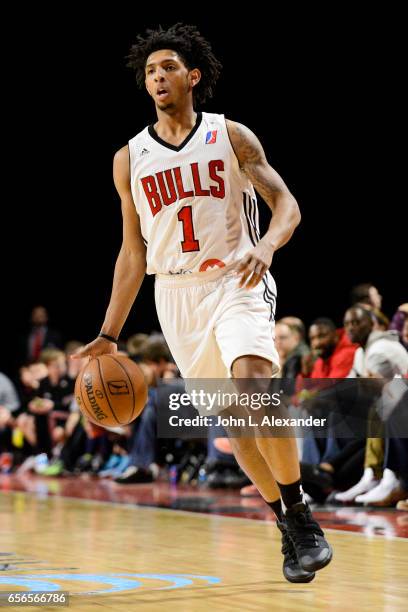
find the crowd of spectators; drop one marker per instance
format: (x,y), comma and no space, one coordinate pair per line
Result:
(42,429)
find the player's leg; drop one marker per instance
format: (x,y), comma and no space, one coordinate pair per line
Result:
(247,454)
(245,335)
(280,454)
(281,457)
(253,464)
(197,354)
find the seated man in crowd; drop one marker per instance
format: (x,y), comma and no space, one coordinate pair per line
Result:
(331,356)
(157,365)
(381,356)
(332,352)
(51,398)
(290,344)
(30,377)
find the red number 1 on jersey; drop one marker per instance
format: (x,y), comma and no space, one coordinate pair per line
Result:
(189,243)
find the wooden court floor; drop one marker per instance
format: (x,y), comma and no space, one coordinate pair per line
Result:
(125,557)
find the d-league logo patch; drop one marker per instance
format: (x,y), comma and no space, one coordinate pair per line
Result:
(118,387)
(211,137)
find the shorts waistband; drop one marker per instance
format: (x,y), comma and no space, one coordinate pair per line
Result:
(193,279)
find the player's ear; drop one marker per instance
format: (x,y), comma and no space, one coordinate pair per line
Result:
(194,77)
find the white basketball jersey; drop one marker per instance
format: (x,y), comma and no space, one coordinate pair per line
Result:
(197,209)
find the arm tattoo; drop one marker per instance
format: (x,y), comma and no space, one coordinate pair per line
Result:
(253,162)
(246,146)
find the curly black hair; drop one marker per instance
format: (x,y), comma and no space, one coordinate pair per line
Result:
(192,48)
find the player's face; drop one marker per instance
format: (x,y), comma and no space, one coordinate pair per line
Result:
(168,80)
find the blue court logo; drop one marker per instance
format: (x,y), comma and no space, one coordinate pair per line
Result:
(116,583)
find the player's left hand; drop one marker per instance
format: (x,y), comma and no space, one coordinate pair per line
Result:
(254,265)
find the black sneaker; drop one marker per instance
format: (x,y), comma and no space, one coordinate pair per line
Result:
(291,568)
(312,550)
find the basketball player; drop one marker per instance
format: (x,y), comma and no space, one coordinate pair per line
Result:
(190,217)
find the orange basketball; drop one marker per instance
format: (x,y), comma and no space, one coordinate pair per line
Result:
(111,390)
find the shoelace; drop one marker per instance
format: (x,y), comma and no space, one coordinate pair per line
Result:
(288,550)
(304,530)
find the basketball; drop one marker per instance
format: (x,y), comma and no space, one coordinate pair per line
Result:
(111,390)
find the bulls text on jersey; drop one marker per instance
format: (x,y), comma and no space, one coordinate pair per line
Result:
(166,187)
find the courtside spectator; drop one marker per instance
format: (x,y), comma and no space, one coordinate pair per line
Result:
(359,323)
(332,352)
(54,393)
(135,346)
(380,354)
(291,348)
(296,324)
(40,336)
(399,323)
(332,356)
(156,362)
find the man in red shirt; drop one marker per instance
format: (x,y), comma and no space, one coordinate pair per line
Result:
(332,351)
(332,356)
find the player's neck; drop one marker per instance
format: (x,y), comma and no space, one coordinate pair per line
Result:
(176,125)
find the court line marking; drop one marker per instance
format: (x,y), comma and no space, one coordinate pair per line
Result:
(197,514)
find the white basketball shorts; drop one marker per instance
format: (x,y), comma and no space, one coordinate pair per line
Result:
(209,321)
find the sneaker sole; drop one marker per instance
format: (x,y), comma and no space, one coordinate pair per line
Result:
(299,580)
(315,567)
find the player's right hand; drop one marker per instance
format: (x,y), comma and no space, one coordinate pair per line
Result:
(99,346)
